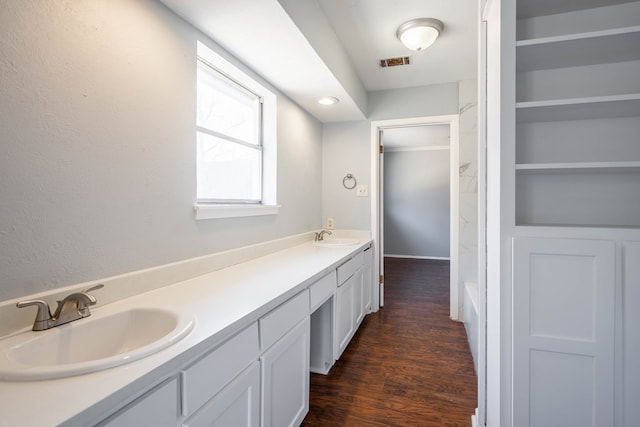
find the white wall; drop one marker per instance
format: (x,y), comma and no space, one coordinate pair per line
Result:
(468,190)
(97,172)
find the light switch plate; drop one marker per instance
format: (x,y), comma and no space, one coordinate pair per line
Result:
(362,191)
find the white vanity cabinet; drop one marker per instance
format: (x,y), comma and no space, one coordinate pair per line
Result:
(367,273)
(206,381)
(237,405)
(322,302)
(349,308)
(158,407)
(258,374)
(284,338)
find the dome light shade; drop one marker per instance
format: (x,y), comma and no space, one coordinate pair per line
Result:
(328,100)
(419,34)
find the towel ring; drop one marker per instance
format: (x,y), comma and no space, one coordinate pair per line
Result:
(349,182)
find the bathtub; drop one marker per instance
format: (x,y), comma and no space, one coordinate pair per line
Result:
(470,318)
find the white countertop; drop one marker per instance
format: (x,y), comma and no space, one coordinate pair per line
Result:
(223,302)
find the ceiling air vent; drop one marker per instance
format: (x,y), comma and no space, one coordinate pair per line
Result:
(394,62)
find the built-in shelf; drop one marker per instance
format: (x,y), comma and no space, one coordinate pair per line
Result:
(533,8)
(573,50)
(579,167)
(536,226)
(596,107)
(578,115)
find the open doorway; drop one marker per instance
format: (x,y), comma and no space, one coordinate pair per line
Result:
(416,186)
(378,129)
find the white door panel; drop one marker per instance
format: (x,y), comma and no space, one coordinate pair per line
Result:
(563,329)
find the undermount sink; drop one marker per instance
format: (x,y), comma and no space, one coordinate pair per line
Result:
(336,241)
(91,344)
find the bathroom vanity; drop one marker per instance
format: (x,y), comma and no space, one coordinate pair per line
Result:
(260,326)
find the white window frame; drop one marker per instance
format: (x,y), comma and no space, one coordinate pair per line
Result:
(269,205)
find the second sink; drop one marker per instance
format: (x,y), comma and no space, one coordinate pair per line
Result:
(336,241)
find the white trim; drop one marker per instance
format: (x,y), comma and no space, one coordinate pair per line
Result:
(452,121)
(422,148)
(269,135)
(232,211)
(439,258)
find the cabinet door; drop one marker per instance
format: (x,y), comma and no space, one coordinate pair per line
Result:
(236,405)
(158,407)
(344,316)
(358,298)
(285,379)
(563,332)
(631,292)
(367,284)
(209,375)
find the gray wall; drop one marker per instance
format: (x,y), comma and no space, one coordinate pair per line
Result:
(417,210)
(347,147)
(416,204)
(97,171)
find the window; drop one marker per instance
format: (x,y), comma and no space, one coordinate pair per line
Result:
(235,141)
(229,140)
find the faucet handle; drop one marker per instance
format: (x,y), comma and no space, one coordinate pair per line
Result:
(43,316)
(91,297)
(93,288)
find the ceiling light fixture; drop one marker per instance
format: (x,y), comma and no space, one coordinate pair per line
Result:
(419,34)
(328,100)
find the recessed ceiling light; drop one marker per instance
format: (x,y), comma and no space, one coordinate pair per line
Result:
(328,100)
(419,34)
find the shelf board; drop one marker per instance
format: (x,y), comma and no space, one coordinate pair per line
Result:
(571,167)
(530,226)
(597,47)
(599,107)
(534,8)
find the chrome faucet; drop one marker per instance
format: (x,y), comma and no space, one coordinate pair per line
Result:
(73,307)
(320,236)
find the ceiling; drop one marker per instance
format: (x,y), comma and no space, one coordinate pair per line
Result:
(313,48)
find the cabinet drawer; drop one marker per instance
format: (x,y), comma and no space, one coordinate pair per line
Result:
(279,321)
(347,269)
(237,405)
(322,289)
(202,380)
(158,407)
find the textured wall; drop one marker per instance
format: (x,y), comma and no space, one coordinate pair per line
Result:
(97,170)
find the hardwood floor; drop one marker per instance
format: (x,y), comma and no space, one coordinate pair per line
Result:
(408,365)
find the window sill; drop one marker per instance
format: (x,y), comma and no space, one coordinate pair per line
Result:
(233,211)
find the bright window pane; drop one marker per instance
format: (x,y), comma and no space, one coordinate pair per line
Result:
(226,108)
(228,171)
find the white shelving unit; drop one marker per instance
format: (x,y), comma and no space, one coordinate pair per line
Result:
(574,50)
(578,166)
(569,175)
(579,108)
(578,114)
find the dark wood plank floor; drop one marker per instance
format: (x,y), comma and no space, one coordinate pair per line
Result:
(408,365)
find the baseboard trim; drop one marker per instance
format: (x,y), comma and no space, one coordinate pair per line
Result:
(418,257)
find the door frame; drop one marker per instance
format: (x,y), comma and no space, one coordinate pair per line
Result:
(452,120)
